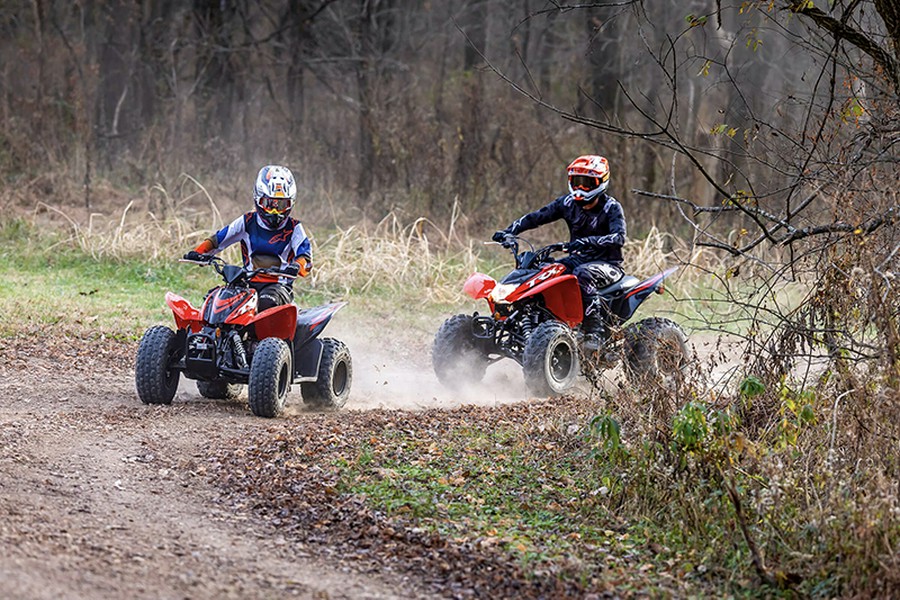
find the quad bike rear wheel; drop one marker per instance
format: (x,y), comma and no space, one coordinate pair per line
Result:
(219,390)
(550,360)
(656,353)
(332,386)
(270,378)
(155,379)
(455,355)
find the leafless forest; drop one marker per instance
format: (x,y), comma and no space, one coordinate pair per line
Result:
(387,104)
(760,137)
(765,130)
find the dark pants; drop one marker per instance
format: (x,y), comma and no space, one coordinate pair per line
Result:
(272,294)
(593,276)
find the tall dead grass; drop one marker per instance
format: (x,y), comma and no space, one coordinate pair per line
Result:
(420,258)
(389,257)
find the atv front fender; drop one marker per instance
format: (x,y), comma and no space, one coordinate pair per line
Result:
(479,285)
(186,316)
(562,297)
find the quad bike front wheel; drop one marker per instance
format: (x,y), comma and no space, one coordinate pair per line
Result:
(656,353)
(154,377)
(550,360)
(332,386)
(455,356)
(270,378)
(219,390)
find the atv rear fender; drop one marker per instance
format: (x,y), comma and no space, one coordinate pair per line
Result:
(278,321)
(625,307)
(311,321)
(186,316)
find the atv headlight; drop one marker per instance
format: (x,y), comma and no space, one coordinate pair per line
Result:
(502,290)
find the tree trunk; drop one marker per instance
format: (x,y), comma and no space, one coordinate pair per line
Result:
(469,164)
(364,62)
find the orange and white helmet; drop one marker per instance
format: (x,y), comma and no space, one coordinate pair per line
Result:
(588,177)
(274,195)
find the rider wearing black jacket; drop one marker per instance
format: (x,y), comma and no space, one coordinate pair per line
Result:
(597,233)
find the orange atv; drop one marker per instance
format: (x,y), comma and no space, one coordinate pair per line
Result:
(227,344)
(535,319)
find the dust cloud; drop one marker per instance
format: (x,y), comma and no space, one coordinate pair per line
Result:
(391,373)
(392,370)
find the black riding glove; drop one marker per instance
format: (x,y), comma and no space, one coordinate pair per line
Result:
(291,270)
(500,236)
(196,256)
(577,246)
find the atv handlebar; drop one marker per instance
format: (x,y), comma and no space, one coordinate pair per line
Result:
(530,257)
(220,265)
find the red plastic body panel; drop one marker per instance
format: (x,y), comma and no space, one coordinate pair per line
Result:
(186,316)
(479,285)
(246,317)
(548,274)
(278,321)
(562,296)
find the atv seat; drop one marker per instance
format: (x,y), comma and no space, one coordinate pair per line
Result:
(623,285)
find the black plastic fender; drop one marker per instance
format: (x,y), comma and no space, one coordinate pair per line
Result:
(307,358)
(311,321)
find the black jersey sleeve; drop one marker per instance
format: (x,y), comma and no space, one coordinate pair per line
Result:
(542,216)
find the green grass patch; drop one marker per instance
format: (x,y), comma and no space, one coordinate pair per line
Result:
(50,282)
(484,483)
(559,489)
(57,280)
(533,491)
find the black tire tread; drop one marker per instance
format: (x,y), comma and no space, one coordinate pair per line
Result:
(320,393)
(454,356)
(263,390)
(219,390)
(640,354)
(533,357)
(155,383)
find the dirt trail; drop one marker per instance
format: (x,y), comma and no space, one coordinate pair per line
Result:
(101,497)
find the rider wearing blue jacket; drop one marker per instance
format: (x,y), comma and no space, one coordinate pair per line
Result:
(269,237)
(597,233)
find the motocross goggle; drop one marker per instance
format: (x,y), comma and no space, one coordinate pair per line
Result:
(585,183)
(275,205)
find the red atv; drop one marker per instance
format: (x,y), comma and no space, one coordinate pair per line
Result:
(227,343)
(535,319)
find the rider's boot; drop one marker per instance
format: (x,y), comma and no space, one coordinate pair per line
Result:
(593,325)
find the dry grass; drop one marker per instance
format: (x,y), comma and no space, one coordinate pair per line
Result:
(390,257)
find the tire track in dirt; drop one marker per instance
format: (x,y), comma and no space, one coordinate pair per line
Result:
(102,497)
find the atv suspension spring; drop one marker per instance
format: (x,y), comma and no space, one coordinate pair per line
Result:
(240,353)
(526,327)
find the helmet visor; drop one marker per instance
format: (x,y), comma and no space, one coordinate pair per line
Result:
(584,183)
(275,205)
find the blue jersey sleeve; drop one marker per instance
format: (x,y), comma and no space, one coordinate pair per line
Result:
(231,233)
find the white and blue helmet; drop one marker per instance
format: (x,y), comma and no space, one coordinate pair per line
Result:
(274,195)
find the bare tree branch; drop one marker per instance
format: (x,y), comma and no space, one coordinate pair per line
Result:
(841,30)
